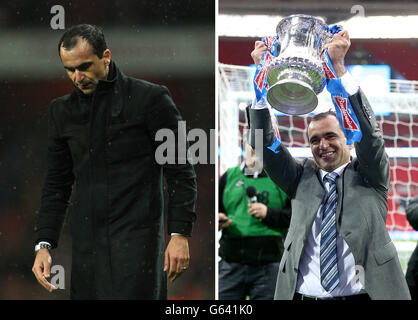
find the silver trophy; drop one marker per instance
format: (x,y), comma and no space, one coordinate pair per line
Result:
(296,75)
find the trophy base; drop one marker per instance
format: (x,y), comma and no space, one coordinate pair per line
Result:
(292,96)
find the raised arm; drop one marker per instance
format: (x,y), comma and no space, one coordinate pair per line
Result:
(281,167)
(373,160)
(279,164)
(370,151)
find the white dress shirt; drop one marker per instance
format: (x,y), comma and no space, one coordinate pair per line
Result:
(309,276)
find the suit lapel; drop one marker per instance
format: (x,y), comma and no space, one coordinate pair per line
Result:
(317,194)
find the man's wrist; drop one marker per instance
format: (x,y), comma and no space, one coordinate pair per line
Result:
(339,69)
(261,104)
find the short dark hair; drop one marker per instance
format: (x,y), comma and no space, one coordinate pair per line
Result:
(92,34)
(323,115)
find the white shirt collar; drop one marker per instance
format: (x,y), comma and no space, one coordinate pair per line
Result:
(338,171)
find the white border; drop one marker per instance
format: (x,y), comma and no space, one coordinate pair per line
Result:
(215,236)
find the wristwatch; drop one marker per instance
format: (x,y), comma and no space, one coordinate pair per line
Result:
(42,245)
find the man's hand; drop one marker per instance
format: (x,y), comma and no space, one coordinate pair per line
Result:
(41,268)
(259,49)
(177,257)
(337,49)
(258,210)
(223,221)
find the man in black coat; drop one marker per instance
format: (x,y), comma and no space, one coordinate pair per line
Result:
(101,140)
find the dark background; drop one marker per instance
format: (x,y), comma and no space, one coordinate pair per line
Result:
(147,41)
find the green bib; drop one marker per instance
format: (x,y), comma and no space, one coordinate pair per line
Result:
(235,201)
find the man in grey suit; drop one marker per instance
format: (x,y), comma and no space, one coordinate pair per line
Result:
(360,261)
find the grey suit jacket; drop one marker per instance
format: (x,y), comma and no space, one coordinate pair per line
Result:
(361,210)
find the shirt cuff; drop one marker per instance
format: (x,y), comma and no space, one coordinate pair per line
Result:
(262,104)
(349,83)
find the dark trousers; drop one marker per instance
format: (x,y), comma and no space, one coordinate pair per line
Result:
(237,281)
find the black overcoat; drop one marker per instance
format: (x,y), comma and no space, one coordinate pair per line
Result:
(102,148)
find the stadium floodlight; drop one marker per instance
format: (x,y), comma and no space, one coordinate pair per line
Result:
(373,27)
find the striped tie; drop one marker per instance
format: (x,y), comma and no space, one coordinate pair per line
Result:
(328,254)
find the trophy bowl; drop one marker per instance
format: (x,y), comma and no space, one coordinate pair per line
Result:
(296,75)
